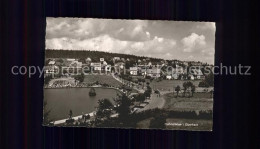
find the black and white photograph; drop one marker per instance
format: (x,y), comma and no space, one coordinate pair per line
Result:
(118,73)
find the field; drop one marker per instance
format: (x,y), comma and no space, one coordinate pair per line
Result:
(199,102)
(102,79)
(169,84)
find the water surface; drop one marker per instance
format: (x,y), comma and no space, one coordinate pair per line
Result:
(61,100)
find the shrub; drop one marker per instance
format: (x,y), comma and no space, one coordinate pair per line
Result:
(203,84)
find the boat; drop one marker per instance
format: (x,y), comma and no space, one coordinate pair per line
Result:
(92,92)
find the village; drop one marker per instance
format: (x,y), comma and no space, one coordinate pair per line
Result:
(164,69)
(149,84)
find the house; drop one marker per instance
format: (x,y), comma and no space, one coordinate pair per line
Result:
(50,69)
(116,58)
(168,77)
(108,68)
(175,76)
(86,68)
(71,67)
(179,69)
(67,63)
(76,64)
(185,63)
(154,72)
(58,63)
(71,59)
(143,71)
(96,66)
(133,70)
(120,65)
(195,63)
(200,77)
(198,73)
(104,63)
(88,61)
(150,64)
(51,63)
(191,77)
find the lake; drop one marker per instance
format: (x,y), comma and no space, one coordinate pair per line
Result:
(61,100)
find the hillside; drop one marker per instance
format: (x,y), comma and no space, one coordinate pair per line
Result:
(94,55)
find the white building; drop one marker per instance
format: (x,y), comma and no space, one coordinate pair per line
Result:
(88,59)
(116,58)
(175,76)
(191,77)
(154,72)
(50,69)
(51,63)
(179,69)
(198,73)
(108,68)
(96,66)
(71,59)
(104,63)
(133,70)
(120,65)
(168,77)
(76,64)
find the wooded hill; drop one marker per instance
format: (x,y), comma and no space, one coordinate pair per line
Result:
(94,55)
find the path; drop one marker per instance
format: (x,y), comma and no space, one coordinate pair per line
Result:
(123,82)
(155,102)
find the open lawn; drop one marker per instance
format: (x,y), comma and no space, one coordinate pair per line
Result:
(144,124)
(102,79)
(199,102)
(169,84)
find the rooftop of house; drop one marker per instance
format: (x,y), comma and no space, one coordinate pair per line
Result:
(133,68)
(88,59)
(51,63)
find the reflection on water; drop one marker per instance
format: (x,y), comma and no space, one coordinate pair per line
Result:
(60,101)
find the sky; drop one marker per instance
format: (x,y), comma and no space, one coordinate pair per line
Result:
(182,40)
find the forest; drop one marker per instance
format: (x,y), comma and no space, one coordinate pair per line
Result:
(94,55)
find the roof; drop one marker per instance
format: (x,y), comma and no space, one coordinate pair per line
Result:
(197,72)
(95,64)
(76,64)
(133,68)
(51,63)
(88,59)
